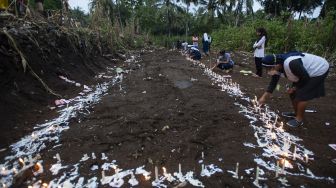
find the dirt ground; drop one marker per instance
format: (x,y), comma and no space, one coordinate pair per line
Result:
(166,112)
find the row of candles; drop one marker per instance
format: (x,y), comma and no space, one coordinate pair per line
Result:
(265,117)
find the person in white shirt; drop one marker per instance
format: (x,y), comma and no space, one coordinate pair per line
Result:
(259,50)
(205,41)
(306,71)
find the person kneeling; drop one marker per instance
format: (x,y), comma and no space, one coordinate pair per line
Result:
(195,54)
(224,61)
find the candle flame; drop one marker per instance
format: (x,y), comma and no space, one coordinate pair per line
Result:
(44,185)
(164,170)
(147,177)
(37,167)
(21,161)
(30,186)
(274,136)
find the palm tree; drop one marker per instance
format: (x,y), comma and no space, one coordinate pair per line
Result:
(188,2)
(169,6)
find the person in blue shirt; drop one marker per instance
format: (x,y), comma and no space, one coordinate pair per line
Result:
(306,71)
(224,61)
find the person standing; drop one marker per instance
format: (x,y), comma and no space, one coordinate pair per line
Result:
(195,40)
(259,50)
(210,41)
(205,41)
(306,71)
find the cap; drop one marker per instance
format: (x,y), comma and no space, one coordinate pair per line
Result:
(269,61)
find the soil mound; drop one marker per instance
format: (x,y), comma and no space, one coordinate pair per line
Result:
(35,60)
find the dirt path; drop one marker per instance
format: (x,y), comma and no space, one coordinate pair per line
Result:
(166,112)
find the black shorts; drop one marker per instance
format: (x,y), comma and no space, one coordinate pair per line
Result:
(314,88)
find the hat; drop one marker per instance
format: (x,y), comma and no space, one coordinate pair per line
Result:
(269,61)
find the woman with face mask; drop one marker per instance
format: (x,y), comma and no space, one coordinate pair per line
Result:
(307,72)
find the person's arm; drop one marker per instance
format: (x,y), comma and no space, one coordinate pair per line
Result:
(272,85)
(260,42)
(297,68)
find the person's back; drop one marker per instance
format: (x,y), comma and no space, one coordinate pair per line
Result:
(195,54)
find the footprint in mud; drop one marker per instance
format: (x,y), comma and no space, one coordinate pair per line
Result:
(183,84)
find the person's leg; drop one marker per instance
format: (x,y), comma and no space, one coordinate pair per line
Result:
(300,110)
(258,64)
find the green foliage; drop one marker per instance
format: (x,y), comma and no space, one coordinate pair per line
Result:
(302,35)
(49,4)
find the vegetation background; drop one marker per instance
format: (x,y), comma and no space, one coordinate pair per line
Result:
(231,23)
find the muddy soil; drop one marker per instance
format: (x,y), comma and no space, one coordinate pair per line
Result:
(166,112)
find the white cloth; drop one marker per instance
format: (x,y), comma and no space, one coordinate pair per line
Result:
(205,37)
(314,65)
(259,47)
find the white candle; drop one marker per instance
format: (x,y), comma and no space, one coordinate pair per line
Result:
(294,153)
(103,174)
(257,175)
(277,169)
(237,169)
(283,165)
(180,168)
(58,157)
(202,155)
(3,171)
(306,158)
(276,119)
(156,173)
(22,163)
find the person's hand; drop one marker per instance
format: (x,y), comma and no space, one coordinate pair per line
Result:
(262,100)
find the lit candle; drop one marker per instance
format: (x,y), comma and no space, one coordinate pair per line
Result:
(37,167)
(15,171)
(147,177)
(22,163)
(44,185)
(3,171)
(273,136)
(33,136)
(277,169)
(283,165)
(306,158)
(156,174)
(202,155)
